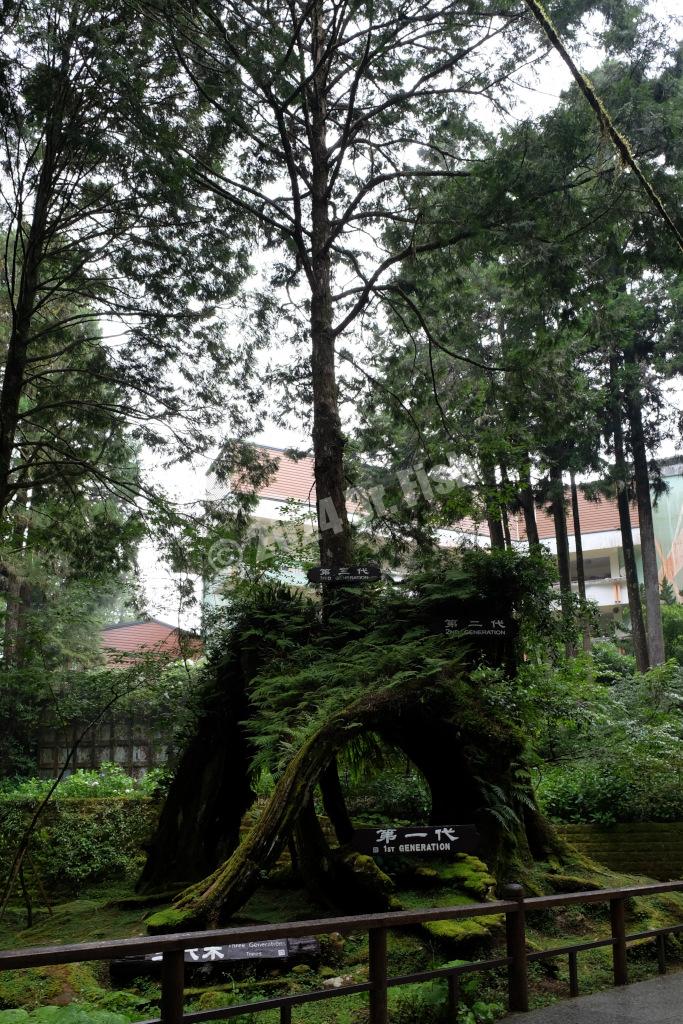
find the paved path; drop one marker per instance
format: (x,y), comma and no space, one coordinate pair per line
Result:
(647,1002)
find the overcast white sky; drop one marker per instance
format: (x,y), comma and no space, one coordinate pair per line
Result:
(537,94)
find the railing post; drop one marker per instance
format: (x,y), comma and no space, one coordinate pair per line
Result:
(617,914)
(285,1015)
(172,986)
(453,998)
(573,975)
(378,976)
(661,953)
(515,933)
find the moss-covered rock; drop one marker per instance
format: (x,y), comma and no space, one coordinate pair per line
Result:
(470,875)
(171,919)
(363,865)
(427,878)
(458,931)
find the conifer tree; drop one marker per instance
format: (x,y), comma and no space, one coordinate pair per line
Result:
(105,231)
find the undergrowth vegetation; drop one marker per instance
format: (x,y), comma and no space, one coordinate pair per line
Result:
(606,739)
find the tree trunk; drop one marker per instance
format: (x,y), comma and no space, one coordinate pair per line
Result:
(213,900)
(561,534)
(623,504)
(200,821)
(444,741)
(12,619)
(335,803)
(493,521)
(526,499)
(16,591)
(328,441)
(505,480)
(22,316)
(562,541)
(580,572)
(506,530)
(648,550)
(331,875)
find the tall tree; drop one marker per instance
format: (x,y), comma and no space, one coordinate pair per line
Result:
(343,115)
(102,224)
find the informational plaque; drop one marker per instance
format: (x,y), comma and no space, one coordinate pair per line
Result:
(352,574)
(434,840)
(234,953)
(268,949)
(476,627)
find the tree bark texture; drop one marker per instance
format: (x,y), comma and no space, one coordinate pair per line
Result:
(448,746)
(199,826)
(493,518)
(526,499)
(16,357)
(627,545)
(328,440)
(648,550)
(580,570)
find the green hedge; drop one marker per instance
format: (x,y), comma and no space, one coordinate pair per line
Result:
(604,793)
(77,841)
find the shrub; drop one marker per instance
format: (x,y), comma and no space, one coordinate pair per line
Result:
(78,841)
(427,1003)
(110,780)
(604,792)
(672,624)
(391,795)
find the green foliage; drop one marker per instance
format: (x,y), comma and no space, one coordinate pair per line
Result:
(79,840)
(604,793)
(667,594)
(427,1003)
(610,737)
(304,670)
(672,624)
(22,699)
(75,1014)
(110,780)
(68,699)
(396,793)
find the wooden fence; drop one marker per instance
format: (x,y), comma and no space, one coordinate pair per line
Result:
(514,906)
(136,743)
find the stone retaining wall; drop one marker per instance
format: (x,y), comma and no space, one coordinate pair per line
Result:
(646,848)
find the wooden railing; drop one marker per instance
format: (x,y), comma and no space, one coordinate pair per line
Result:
(515,908)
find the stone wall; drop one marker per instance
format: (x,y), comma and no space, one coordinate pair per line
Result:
(654,849)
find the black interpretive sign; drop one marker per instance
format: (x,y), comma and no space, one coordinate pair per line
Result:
(273,949)
(282,950)
(436,840)
(345,574)
(476,627)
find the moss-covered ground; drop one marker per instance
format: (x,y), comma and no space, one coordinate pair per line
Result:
(108,912)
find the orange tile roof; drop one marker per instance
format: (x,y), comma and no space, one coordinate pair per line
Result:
(594,517)
(294,479)
(126,642)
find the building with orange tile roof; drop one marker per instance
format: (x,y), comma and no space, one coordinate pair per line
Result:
(126,643)
(293,481)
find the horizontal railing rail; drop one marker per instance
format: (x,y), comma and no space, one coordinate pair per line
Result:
(514,907)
